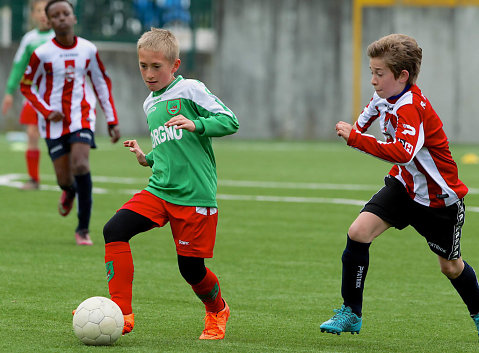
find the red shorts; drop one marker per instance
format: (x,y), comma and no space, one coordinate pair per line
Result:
(193,228)
(29,115)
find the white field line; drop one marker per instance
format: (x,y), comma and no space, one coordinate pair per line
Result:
(16,181)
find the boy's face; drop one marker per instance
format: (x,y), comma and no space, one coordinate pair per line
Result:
(383,80)
(61,18)
(39,17)
(156,70)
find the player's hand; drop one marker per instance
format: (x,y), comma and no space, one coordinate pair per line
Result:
(181,122)
(135,148)
(114,132)
(56,116)
(7,103)
(343,129)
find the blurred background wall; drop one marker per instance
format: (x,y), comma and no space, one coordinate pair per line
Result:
(285,67)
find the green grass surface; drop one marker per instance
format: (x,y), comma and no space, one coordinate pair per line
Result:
(278,261)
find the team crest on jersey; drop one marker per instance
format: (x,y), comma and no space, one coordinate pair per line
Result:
(173,106)
(70,73)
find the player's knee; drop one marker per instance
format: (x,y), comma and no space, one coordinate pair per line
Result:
(192,269)
(451,269)
(80,167)
(358,233)
(112,232)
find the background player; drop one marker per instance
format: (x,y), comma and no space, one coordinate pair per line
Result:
(67,104)
(182,116)
(30,41)
(422,188)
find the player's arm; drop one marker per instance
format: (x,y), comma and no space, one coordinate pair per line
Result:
(27,87)
(135,148)
(369,115)
(214,118)
(19,65)
(408,140)
(102,84)
(20,62)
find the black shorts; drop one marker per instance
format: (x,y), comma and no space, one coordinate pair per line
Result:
(61,146)
(442,227)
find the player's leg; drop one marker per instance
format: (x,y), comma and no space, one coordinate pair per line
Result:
(28,117)
(59,152)
(388,207)
(80,165)
(194,232)
(355,260)
(463,278)
(141,213)
(442,228)
(206,286)
(117,233)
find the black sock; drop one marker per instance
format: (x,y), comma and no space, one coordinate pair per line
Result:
(355,267)
(467,287)
(84,191)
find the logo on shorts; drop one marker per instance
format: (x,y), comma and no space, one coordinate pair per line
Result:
(84,135)
(182,242)
(437,247)
(56,148)
(173,107)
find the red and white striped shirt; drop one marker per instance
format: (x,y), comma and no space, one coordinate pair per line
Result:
(415,143)
(55,80)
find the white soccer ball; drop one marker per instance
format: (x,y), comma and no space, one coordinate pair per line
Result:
(98,321)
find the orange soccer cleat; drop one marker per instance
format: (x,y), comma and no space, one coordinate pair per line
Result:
(215,324)
(129,323)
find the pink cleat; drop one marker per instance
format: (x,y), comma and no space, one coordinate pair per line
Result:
(82,237)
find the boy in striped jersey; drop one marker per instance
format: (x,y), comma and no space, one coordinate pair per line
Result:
(30,41)
(422,189)
(55,84)
(182,116)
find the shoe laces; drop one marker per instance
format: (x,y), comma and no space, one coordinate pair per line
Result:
(344,315)
(211,321)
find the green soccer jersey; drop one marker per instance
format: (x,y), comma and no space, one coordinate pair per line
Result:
(30,41)
(182,162)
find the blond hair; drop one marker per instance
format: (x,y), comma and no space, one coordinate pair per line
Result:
(160,40)
(399,52)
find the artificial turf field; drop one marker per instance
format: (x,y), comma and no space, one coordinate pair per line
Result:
(285,208)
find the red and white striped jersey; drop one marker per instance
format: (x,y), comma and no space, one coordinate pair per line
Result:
(415,143)
(55,80)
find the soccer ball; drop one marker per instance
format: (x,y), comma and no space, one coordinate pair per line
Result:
(98,321)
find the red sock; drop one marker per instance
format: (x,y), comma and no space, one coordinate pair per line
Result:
(33,161)
(208,290)
(119,272)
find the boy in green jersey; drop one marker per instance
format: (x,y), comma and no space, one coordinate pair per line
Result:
(182,116)
(30,41)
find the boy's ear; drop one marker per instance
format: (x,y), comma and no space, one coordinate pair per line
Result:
(404,76)
(176,65)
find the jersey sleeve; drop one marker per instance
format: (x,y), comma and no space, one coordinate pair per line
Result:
(368,115)
(33,72)
(409,138)
(103,88)
(215,119)
(20,62)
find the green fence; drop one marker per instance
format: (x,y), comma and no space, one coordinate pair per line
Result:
(121,20)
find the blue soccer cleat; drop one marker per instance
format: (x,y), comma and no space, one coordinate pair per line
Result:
(346,321)
(476,321)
